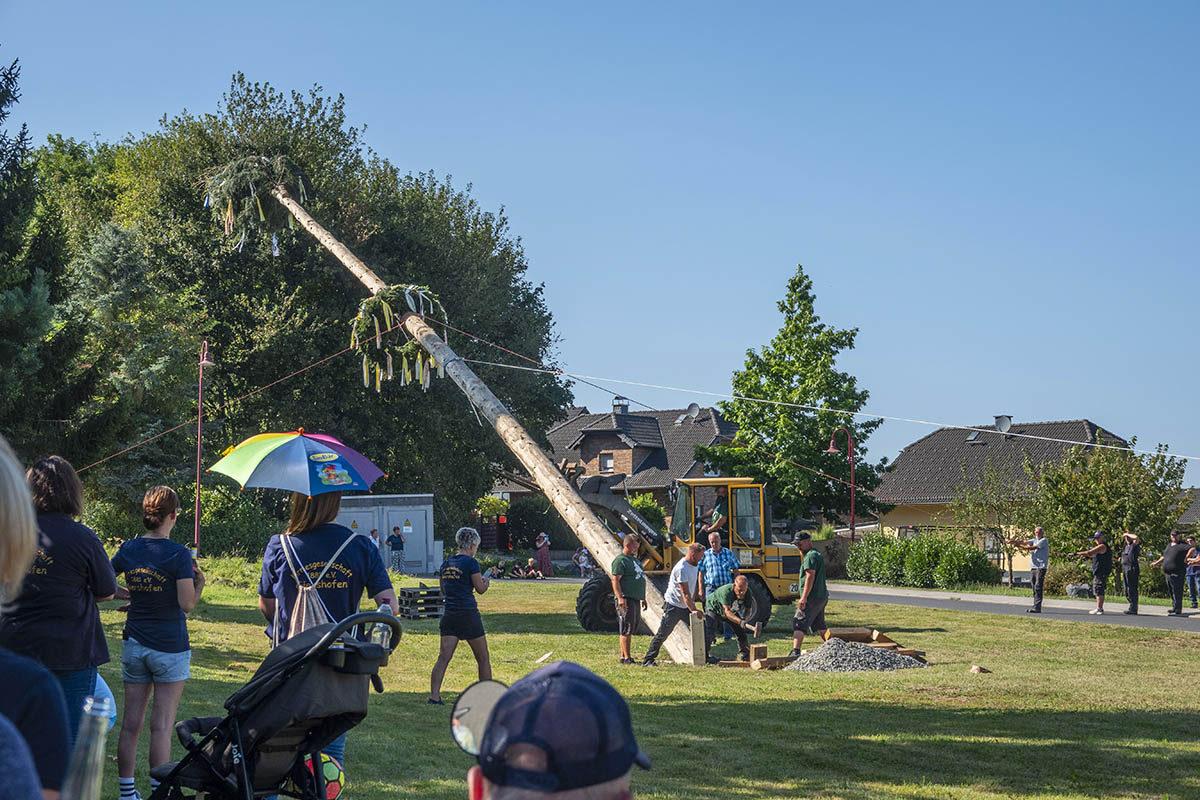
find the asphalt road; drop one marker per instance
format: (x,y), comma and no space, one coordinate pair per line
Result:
(1153,617)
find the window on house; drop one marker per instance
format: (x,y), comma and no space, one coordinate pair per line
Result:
(606,462)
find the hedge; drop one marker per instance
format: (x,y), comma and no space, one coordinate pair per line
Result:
(926,561)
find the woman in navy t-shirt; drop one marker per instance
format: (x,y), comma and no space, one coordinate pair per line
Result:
(54,620)
(461,578)
(342,564)
(162,585)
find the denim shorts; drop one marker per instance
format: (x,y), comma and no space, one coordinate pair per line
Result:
(140,664)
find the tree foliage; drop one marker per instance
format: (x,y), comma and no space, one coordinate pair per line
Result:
(798,367)
(991,507)
(650,509)
(146,273)
(1102,489)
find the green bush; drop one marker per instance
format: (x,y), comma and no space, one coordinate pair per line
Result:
(491,506)
(232,523)
(889,562)
(530,515)
(826,531)
(648,507)
(924,555)
(1060,574)
(860,562)
(962,563)
(928,560)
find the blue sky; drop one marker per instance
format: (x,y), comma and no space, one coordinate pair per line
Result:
(1002,197)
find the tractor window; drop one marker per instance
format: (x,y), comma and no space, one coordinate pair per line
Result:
(681,520)
(747,514)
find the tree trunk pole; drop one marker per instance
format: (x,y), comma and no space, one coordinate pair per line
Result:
(561,494)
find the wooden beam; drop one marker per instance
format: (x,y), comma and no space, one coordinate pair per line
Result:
(848,634)
(778,662)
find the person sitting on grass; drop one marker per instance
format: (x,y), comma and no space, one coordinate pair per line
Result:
(560,732)
(163,586)
(461,578)
(529,571)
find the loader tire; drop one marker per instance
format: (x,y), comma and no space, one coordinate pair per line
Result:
(596,605)
(761,605)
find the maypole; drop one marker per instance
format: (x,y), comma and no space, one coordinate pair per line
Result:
(272,175)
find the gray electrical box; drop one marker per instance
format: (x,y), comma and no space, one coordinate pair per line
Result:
(413,513)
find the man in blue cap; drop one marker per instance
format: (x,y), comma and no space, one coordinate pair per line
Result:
(561,731)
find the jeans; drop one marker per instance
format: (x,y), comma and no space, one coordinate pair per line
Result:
(712,624)
(77,685)
(672,616)
(1175,585)
(1193,584)
(1132,576)
(1038,579)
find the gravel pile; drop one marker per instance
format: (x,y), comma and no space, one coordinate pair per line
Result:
(838,655)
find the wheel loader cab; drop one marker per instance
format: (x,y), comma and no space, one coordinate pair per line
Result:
(738,500)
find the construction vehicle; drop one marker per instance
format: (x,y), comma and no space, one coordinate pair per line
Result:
(773,569)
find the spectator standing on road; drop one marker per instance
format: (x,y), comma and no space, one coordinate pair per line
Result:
(810,608)
(163,585)
(1193,570)
(396,543)
(1039,561)
(1174,565)
(54,619)
(679,601)
(544,565)
(1101,555)
(727,605)
(1131,570)
(629,590)
(31,698)
(461,578)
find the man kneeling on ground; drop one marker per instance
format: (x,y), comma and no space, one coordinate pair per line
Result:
(560,732)
(810,608)
(727,604)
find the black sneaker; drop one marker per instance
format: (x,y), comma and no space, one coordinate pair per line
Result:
(650,663)
(433,702)
(626,661)
(794,654)
(712,660)
(1033,611)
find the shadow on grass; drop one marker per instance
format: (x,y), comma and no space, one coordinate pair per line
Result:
(849,748)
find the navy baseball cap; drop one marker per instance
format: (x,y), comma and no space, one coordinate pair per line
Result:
(560,727)
(1098,534)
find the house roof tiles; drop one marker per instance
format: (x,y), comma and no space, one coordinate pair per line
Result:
(931,469)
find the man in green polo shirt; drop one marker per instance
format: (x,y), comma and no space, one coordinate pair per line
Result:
(810,608)
(629,591)
(727,604)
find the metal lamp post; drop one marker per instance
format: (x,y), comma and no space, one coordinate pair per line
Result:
(204,362)
(850,447)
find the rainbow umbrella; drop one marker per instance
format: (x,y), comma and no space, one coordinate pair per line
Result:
(308,463)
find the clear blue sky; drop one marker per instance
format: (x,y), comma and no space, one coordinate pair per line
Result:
(1002,197)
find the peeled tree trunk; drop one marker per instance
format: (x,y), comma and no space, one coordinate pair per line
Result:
(583,521)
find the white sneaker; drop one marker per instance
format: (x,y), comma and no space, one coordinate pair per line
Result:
(1097,611)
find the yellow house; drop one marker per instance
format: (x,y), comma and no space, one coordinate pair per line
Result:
(927,475)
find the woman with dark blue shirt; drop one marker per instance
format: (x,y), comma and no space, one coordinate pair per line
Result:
(461,578)
(54,620)
(338,561)
(163,585)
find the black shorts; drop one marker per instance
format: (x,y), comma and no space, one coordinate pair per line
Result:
(627,623)
(812,618)
(462,624)
(1098,583)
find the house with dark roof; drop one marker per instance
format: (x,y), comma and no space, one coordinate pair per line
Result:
(650,448)
(1190,501)
(924,479)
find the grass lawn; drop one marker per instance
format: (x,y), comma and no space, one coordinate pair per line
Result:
(1070,711)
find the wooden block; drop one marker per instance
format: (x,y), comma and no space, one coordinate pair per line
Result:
(848,634)
(758,651)
(877,636)
(884,645)
(697,641)
(771,663)
(733,664)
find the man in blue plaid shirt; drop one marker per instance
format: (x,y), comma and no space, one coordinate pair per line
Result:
(719,565)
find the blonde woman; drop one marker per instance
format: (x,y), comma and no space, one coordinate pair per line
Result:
(32,699)
(163,584)
(461,578)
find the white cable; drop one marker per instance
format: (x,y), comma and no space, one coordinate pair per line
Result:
(725,396)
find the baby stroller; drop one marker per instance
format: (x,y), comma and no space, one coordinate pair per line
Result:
(308,691)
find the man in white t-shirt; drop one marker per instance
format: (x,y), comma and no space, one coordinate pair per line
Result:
(1039,562)
(680,599)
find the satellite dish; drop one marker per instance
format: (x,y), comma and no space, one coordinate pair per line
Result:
(1003,422)
(693,410)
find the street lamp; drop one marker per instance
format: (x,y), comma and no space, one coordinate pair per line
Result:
(204,362)
(850,448)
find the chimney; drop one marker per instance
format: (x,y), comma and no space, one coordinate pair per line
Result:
(620,405)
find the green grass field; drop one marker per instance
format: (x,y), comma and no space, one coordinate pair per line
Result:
(1070,711)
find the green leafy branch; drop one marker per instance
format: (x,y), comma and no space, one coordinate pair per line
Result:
(386,349)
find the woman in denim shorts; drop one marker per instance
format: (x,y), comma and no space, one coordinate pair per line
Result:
(164,584)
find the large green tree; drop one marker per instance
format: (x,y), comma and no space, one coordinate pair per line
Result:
(1103,489)
(267,315)
(798,367)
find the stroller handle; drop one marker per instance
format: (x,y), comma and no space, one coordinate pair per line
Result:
(353,621)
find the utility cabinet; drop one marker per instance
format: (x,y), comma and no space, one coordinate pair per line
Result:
(413,513)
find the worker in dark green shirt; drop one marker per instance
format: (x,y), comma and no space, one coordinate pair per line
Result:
(810,608)
(629,591)
(727,604)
